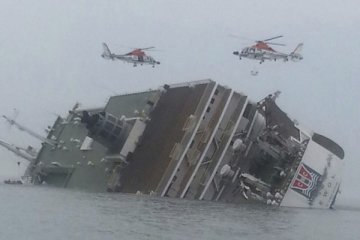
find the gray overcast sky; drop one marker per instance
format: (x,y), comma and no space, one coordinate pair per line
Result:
(50,58)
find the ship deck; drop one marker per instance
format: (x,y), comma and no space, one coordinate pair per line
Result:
(152,156)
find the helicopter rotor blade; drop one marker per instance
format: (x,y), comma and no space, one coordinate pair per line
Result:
(269,39)
(147,48)
(277,44)
(154,50)
(134,48)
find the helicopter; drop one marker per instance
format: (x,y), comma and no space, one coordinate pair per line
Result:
(136,56)
(262,51)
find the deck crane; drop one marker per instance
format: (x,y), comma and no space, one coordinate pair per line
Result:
(25,129)
(21,152)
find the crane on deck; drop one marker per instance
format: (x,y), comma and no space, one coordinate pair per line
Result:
(32,133)
(28,154)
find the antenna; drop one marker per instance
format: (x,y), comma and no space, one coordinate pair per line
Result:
(30,132)
(17,150)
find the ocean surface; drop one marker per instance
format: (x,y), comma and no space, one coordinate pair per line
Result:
(42,212)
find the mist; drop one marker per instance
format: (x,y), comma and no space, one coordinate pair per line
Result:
(50,59)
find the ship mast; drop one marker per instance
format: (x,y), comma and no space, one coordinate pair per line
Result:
(25,129)
(17,150)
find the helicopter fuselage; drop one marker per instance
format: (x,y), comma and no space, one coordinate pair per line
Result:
(135,57)
(263,52)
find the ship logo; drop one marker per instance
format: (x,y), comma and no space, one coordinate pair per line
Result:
(305,181)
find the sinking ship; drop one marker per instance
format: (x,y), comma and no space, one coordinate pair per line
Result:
(194,140)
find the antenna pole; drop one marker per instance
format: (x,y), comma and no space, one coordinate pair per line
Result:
(16,150)
(30,132)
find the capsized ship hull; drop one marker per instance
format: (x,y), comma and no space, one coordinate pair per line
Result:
(194,140)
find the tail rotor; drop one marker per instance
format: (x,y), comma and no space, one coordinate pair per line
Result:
(106,53)
(295,55)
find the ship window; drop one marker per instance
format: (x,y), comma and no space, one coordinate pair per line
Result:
(208,109)
(212,100)
(87,143)
(329,145)
(216,92)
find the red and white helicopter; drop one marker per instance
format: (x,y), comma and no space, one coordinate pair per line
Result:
(137,56)
(262,51)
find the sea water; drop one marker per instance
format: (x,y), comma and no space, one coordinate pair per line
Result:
(43,212)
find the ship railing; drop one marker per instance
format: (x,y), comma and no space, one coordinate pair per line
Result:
(190,83)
